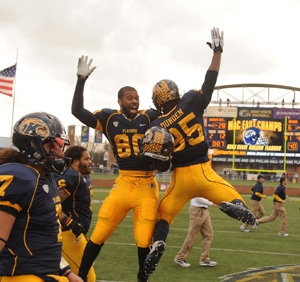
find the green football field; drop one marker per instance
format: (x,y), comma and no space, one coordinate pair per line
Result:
(234,250)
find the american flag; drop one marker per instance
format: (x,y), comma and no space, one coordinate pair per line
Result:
(7,77)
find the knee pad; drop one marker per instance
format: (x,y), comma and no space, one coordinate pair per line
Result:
(108,208)
(100,233)
(149,209)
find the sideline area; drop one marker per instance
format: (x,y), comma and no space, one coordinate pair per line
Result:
(242,189)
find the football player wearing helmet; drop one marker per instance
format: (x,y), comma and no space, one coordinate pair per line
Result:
(136,187)
(30,233)
(32,132)
(164,91)
(192,174)
(75,191)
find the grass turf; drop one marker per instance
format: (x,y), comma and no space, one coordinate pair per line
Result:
(234,250)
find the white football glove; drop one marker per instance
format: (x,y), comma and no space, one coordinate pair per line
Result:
(217,40)
(84,67)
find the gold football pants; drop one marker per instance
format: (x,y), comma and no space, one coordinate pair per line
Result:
(31,278)
(129,192)
(72,251)
(188,182)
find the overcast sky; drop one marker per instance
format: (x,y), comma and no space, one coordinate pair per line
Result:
(137,43)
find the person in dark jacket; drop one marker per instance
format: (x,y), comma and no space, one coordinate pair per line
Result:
(256,206)
(278,207)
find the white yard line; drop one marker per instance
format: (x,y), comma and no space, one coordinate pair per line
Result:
(216,249)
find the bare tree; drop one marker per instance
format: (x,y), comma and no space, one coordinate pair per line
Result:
(96,150)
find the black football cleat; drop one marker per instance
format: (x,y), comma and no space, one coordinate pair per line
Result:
(142,277)
(238,212)
(154,256)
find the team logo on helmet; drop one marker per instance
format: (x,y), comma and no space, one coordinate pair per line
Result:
(34,127)
(254,136)
(163,92)
(148,136)
(157,143)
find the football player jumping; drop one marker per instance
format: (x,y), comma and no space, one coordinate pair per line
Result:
(192,174)
(136,187)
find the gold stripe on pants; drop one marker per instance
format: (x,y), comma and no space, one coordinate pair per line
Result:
(188,182)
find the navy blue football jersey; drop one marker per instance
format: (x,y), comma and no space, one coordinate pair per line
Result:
(34,245)
(185,122)
(78,204)
(124,135)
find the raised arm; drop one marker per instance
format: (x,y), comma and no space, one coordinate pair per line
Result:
(217,46)
(215,62)
(83,71)
(213,70)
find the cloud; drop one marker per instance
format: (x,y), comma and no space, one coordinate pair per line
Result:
(138,43)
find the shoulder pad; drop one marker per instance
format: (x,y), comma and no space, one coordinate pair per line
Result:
(71,177)
(24,177)
(106,111)
(151,113)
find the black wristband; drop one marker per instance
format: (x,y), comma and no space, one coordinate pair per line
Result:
(68,273)
(218,49)
(64,221)
(63,270)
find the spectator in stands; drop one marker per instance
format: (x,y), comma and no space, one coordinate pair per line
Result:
(295,176)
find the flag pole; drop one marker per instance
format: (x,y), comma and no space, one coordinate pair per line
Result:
(14,96)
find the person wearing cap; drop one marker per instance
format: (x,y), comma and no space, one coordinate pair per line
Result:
(278,207)
(256,207)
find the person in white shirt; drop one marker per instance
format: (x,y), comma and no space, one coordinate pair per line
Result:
(199,223)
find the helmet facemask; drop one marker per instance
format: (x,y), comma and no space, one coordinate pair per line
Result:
(54,162)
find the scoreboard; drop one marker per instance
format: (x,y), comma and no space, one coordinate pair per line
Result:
(216,132)
(293,135)
(219,134)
